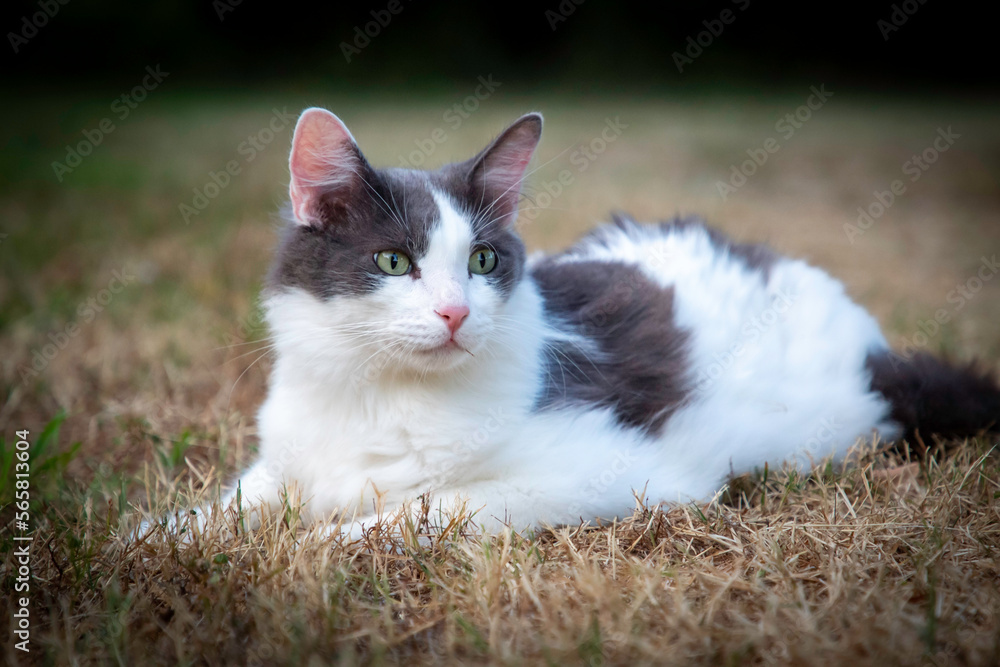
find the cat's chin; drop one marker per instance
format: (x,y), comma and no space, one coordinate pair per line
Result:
(446,350)
(446,356)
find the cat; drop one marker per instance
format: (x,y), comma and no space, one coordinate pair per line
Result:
(421,354)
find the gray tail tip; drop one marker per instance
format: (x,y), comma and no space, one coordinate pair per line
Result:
(934,397)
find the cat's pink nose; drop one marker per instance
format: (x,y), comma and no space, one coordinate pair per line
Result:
(453,316)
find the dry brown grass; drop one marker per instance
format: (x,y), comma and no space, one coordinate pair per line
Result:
(160,391)
(834,568)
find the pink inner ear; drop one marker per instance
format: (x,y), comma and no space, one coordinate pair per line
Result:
(324,160)
(502,168)
(507,169)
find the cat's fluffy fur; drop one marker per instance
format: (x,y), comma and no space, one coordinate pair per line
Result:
(652,359)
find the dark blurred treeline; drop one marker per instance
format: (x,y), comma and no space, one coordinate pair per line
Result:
(928,45)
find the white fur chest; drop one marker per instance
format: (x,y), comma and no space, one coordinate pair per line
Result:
(344,432)
(342,452)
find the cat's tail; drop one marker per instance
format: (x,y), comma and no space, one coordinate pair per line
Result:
(929,396)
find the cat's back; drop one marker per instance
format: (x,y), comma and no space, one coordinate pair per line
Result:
(675,317)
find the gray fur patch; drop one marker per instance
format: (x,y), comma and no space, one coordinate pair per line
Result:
(388,210)
(638,364)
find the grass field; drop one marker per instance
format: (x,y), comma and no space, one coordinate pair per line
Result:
(132,353)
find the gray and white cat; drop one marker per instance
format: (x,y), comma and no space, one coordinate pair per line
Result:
(420,353)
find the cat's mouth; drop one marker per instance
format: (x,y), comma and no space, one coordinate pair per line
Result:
(450,346)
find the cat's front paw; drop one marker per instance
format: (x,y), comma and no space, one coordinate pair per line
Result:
(356,530)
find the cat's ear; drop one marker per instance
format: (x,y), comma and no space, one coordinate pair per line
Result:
(325,163)
(498,172)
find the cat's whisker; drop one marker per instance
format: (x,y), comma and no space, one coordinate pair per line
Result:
(517,184)
(386,208)
(405,214)
(364,363)
(247,342)
(487,226)
(273,338)
(266,348)
(401,218)
(229,402)
(278,340)
(273,342)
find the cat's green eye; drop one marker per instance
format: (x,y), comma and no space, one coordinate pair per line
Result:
(482,261)
(392,262)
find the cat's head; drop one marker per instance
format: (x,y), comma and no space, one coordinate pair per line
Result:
(398,268)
